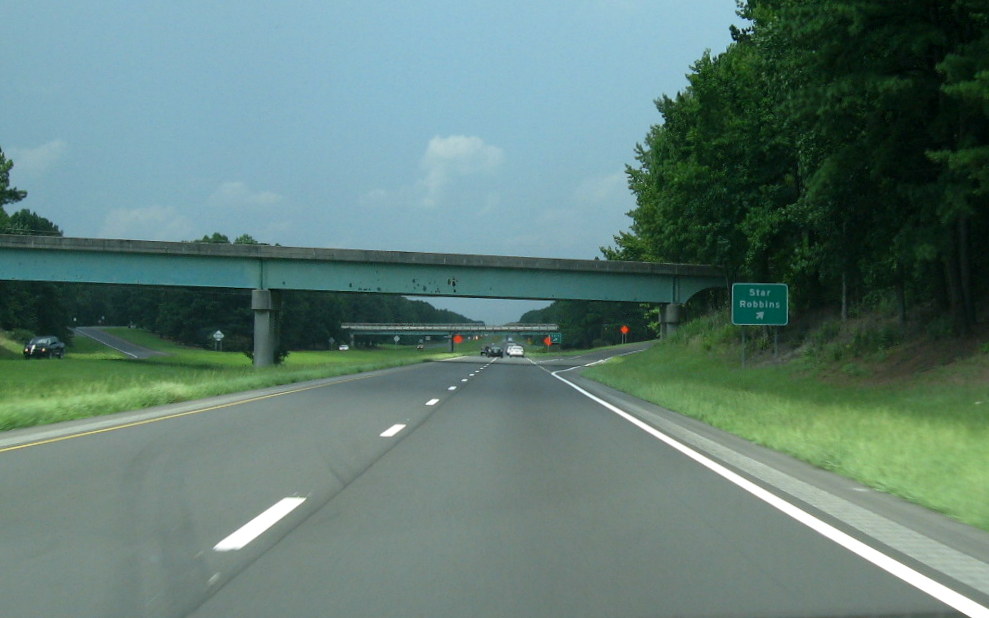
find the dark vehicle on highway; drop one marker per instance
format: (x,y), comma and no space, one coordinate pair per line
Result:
(495,351)
(44,347)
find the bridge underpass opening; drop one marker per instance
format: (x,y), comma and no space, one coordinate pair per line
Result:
(487,310)
(268,269)
(445,331)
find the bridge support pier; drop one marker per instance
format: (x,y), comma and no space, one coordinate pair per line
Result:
(670,318)
(266,305)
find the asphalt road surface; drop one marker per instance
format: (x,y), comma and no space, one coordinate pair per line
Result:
(478,487)
(123,346)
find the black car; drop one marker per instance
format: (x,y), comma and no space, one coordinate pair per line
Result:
(495,351)
(44,347)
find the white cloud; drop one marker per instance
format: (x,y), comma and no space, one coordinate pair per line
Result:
(34,162)
(489,204)
(151,223)
(594,213)
(374,197)
(384,198)
(282,231)
(238,194)
(603,190)
(452,157)
(622,5)
(446,160)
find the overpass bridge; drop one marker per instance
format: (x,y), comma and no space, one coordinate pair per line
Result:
(267,269)
(446,330)
(464,328)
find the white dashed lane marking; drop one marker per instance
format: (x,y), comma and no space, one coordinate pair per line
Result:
(257,526)
(393,430)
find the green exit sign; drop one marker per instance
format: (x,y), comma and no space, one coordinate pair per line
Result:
(760,304)
(556,338)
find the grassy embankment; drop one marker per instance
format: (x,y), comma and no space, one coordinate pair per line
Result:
(93,380)
(922,435)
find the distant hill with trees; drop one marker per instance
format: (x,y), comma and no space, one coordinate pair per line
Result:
(586,324)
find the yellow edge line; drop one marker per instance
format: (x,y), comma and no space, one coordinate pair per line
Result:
(172,416)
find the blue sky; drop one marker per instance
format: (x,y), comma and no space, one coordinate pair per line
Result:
(448,126)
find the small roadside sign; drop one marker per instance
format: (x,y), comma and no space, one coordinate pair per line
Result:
(556,338)
(760,304)
(217,336)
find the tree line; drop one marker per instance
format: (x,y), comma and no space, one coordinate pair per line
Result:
(587,324)
(839,146)
(190,316)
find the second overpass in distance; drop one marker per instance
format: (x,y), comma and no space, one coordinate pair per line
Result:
(466,328)
(445,330)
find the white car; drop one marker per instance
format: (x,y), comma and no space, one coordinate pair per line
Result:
(514,349)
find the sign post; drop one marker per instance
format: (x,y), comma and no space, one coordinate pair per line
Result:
(760,304)
(217,341)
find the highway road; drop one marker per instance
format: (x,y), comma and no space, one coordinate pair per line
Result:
(131,350)
(474,487)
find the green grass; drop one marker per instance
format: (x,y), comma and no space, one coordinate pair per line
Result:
(925,440)
(93,380)
(79,347)
(10,349)
(555,351)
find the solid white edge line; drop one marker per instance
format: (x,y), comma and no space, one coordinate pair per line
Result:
(257,526)
(393,430)
(890,565)
(432,402)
